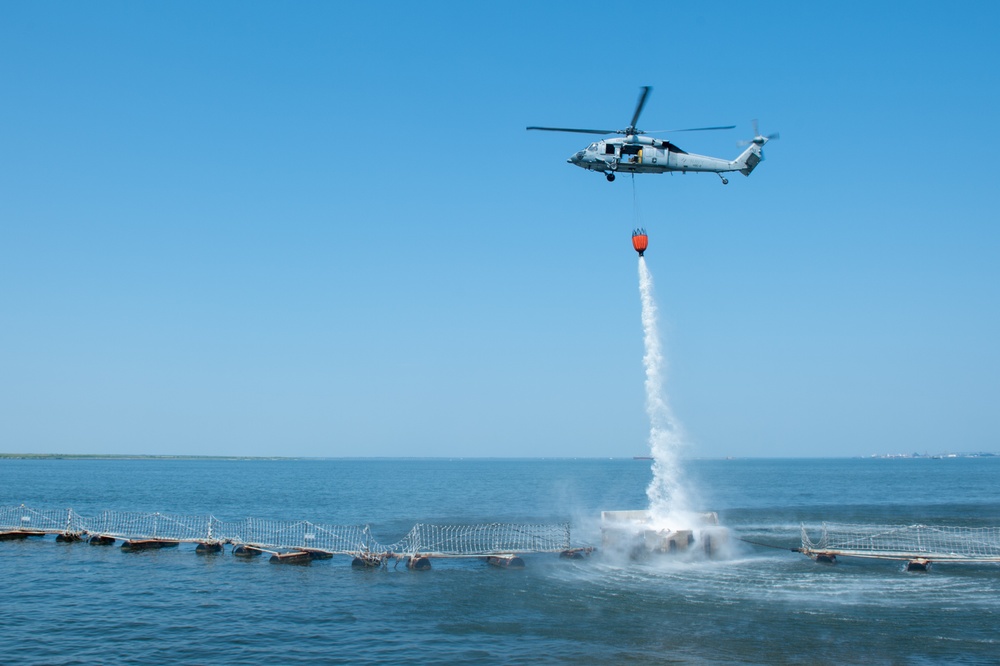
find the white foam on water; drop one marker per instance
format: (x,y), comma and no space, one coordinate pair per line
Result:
(669,498)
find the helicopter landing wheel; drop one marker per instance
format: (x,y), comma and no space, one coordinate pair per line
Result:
(725,181)
(610,177)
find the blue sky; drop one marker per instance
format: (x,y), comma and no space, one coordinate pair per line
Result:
(320,229)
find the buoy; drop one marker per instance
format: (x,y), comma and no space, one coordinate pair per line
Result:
(208,548)
(242,550)
(918,564)
(640,241)
(101,540)
(367,560)
(506,561)
(418,562)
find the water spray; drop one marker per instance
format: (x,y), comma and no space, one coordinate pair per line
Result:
(668,501)
(668,525)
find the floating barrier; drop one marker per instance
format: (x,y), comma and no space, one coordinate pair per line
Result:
(287,541)
(918,545)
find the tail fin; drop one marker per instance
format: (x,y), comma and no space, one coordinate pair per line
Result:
(754,154)
(750,158)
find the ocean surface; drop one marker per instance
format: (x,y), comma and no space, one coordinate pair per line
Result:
(750,604)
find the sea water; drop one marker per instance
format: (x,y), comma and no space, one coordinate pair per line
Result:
(757,603)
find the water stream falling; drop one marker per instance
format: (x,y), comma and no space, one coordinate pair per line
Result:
(669,499)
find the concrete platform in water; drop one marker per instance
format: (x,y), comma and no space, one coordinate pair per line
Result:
(635,534)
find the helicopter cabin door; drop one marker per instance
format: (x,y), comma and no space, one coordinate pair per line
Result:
(632,154)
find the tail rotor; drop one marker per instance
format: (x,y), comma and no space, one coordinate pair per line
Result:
(758,138)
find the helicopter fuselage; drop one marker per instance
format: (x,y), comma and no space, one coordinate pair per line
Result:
(634,152)
(643,154)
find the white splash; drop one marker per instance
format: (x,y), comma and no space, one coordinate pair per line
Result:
(668,498)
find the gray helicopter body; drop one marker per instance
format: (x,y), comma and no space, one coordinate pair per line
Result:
(642,154)
(635,152)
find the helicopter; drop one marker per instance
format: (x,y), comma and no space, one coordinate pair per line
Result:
(637,153)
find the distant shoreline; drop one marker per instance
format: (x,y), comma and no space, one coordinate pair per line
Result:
(138,456)
(128,456)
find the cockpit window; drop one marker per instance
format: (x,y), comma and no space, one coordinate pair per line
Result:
(592,147)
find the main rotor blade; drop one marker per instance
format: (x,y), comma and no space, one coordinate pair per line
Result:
(693,129)
(638,107)
(570,129)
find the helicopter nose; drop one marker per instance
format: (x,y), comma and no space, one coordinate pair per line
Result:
(576,158)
